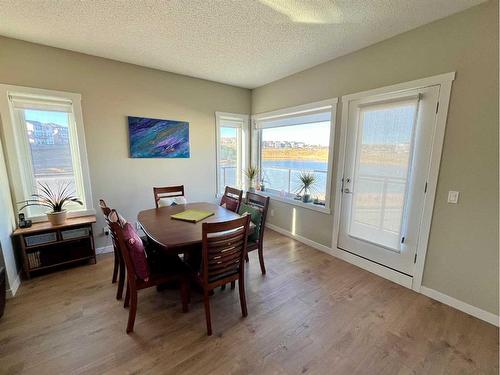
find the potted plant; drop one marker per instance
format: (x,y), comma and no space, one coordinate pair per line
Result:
(307,181)
(55,200)
(262,185)
(252,173)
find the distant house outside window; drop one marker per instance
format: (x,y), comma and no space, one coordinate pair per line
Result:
(288,151)
(232,150)
(293,143)
(46,145)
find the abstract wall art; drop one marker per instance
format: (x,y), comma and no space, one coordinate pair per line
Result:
(154,138)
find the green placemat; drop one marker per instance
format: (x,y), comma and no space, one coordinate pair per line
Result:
(193,216)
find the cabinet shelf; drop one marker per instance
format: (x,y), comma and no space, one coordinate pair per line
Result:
(61,263)
(36,247)
(47,255)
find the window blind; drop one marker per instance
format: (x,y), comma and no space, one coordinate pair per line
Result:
(226,123)
(307,117)
(41,103)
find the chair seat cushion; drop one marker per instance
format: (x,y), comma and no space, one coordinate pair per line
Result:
(136,250)
(171,201)
(255,217)
(115,217)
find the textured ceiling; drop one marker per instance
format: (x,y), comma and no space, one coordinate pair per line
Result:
(245,43)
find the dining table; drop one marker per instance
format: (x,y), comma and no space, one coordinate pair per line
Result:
(175,236)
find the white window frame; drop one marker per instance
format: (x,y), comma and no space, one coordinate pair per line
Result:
(244,149)
(17,148)
(289,112)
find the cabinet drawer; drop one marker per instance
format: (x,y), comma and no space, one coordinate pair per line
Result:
(75,233)
(40,239)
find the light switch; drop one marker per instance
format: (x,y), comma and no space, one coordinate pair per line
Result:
(453,197)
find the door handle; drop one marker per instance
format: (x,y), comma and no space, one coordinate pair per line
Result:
(346,181)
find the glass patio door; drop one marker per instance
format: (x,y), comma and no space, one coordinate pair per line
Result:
(387,156)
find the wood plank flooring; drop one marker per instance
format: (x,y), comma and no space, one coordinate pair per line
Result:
(311,314)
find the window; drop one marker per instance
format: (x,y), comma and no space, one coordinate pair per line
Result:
(382,166)
(232,150)
(295,143)
(45,145)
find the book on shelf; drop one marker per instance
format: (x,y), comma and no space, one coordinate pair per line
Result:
(34,259)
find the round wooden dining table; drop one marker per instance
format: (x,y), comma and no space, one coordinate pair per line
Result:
(174,236)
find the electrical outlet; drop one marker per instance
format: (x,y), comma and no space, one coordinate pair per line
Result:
(105,231)
(137,226)
(453,197)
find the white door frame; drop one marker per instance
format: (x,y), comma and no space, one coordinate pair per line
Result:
(445,82)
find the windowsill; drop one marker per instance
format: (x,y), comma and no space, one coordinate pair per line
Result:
(293,202)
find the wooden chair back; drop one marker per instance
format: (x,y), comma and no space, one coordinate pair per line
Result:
(118,268)
(261,202)
(134,283)
(104,208)
(117,234)
(224,250)
(167,192)
(232,195)
(106,211)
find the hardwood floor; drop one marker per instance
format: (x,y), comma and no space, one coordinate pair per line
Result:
(311,313)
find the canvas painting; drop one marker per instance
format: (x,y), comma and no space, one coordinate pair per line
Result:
(154,138)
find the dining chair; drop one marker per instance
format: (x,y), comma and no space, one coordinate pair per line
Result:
(256,206)
(231,199)
(140,273)
(168,193)
(223,253)
(119,266)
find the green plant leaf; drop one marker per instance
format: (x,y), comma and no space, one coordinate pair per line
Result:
(251,172)
(54,199)
(307,180)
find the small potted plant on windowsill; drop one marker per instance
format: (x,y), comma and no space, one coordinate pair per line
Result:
(55,200)
(252,173)
(307,181)
(263,185)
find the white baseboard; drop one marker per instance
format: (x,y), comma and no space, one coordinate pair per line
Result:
(365,264)
(14,286)
(104,249)
(299,238)
(377,269)
(393,276)
(460,305)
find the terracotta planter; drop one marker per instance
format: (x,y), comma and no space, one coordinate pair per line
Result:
(57,218)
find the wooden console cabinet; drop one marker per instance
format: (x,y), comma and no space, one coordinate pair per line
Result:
(44,246)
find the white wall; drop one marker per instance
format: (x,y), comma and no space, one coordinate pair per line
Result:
(462,258)
(110,92)
(7,225)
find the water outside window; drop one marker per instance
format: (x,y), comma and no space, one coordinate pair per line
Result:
(289,150)
(228,160)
